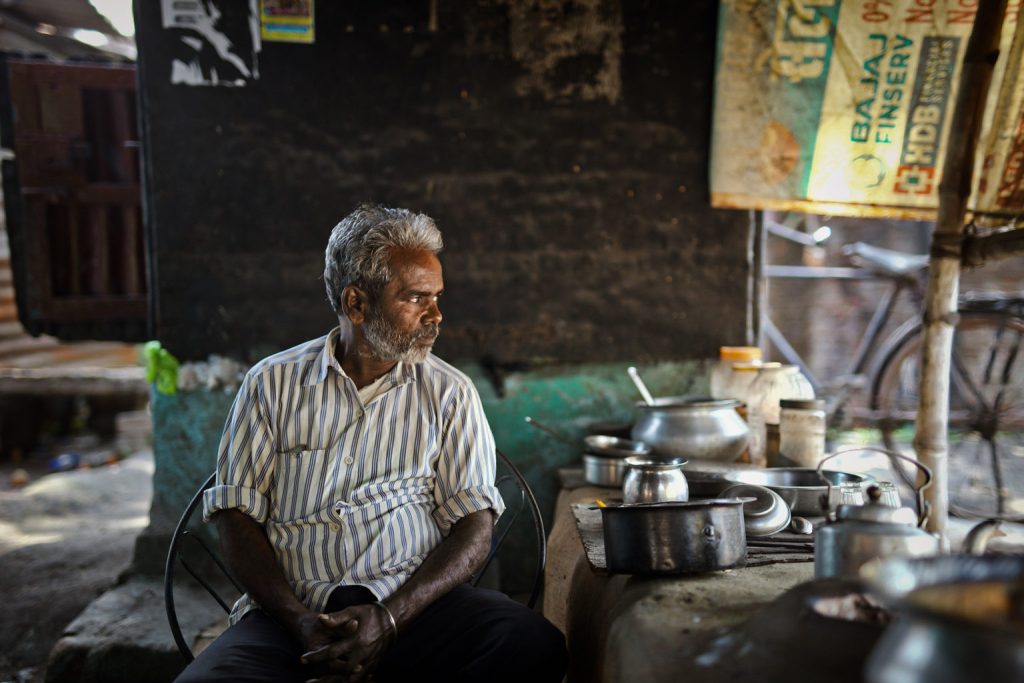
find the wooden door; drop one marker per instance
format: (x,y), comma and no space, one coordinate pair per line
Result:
(73,200)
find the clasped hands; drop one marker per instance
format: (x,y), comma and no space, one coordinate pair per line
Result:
(345,646)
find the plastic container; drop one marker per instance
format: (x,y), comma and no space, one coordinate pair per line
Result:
(763,412)
(727,355)
(801,432)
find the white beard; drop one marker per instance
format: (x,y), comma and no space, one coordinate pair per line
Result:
(388,344)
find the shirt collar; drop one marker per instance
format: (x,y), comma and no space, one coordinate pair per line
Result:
(402,373)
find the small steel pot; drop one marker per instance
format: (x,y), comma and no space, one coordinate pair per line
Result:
(675,538)
(654,481)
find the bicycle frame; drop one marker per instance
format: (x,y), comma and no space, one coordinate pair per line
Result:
(879,317)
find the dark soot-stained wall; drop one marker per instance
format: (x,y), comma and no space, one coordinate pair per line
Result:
(562,148)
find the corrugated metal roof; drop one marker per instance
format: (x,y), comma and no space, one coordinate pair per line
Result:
(67,14)
(20,21)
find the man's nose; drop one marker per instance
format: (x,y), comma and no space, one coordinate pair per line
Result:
(433,314)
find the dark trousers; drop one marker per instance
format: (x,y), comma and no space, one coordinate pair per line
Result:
(470,634)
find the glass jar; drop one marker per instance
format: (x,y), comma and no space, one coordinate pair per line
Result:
(727,355)
(773,383)
(801,432)
(738,385)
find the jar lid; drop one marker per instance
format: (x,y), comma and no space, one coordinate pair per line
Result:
(802,403)
(747,366)
(779,367)
(739,353)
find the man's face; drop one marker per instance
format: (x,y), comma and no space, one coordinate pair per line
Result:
(405,320)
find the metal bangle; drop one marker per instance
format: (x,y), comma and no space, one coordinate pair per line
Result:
(391,618)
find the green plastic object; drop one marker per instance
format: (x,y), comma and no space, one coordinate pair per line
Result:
(161,367)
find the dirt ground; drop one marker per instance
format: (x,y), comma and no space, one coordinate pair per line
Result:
(64,539)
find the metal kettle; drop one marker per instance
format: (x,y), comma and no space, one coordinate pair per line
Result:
(861,533)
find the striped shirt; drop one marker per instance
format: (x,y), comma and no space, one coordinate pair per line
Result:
(352,492)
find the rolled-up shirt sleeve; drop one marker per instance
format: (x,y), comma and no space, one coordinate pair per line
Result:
(245,460)
(466,466)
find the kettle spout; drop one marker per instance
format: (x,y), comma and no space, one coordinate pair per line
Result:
(978,537)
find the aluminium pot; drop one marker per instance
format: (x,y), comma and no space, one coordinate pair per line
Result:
(604,458)
(675,538)
(687,427)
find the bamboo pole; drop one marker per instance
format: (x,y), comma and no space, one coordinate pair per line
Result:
(930,439)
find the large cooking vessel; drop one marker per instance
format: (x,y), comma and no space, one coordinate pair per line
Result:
(961,620)
(692,427)
(803,488)
(675,538)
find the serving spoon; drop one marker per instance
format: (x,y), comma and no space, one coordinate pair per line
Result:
(641,387)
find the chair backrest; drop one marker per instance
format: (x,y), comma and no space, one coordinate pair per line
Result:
(202,562)
(518,498)
(194,554)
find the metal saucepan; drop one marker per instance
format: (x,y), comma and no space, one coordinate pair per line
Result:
(675,538)
(801,487)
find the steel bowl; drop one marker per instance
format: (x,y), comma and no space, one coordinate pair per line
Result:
(765,513)
(800,487)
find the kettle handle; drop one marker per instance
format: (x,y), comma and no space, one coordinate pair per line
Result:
(923,509)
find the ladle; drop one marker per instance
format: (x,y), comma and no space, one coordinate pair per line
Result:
(558,435)
(641,387)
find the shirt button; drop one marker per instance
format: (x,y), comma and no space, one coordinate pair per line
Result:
(349,461)
(335,526)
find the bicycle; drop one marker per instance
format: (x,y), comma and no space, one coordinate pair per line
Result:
(986,417)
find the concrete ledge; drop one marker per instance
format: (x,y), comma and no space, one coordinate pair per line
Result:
(123,636)
(82,381)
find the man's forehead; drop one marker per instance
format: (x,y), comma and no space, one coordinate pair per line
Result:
(409,266)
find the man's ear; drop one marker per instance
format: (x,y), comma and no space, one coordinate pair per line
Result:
(354,303)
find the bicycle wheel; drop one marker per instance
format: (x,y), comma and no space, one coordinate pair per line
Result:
(986,411)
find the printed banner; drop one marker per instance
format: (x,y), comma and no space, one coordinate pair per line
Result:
(287,21)
(843,107)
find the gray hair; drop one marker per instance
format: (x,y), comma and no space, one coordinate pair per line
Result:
(360,246)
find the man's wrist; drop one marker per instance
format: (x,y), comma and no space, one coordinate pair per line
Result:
(389,619)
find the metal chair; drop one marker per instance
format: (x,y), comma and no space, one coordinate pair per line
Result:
(210,572)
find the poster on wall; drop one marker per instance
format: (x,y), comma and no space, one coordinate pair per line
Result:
(843,107)
(216,42)
(287,21)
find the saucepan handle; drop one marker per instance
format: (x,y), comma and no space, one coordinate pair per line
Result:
(922,507)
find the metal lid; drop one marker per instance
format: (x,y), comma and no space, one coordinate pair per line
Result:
(802,403)
(877,512)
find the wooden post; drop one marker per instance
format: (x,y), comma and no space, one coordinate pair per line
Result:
(930,439)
